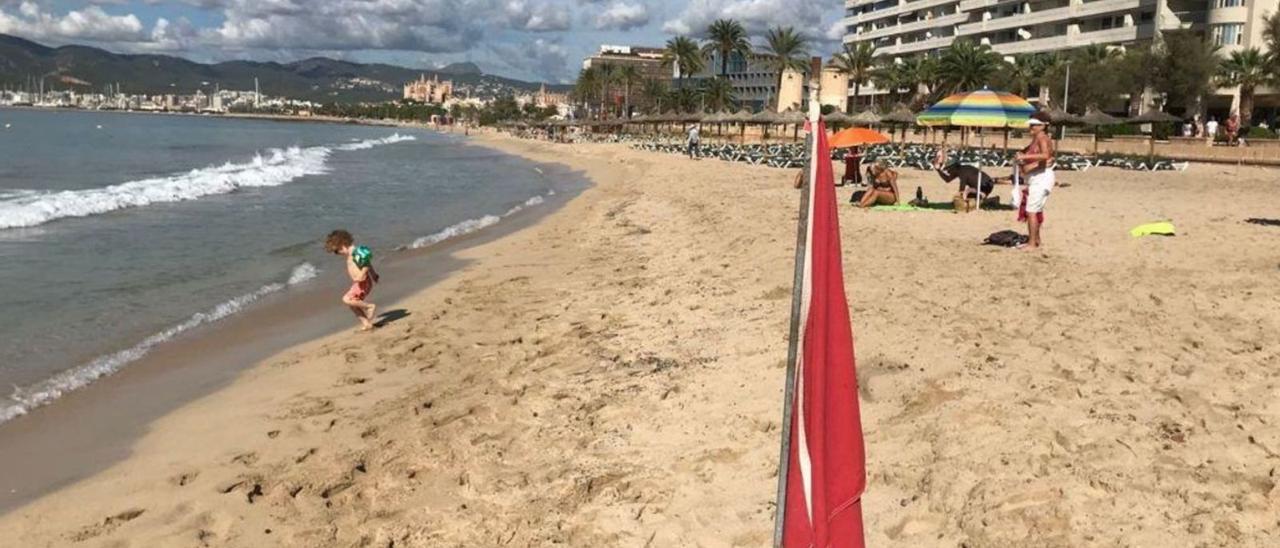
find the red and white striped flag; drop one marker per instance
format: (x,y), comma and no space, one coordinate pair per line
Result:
(826,469)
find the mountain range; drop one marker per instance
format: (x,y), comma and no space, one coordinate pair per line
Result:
(87,69)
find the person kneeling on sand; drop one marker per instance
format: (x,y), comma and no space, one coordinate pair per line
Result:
(884,187)
(359,261)
(971,179)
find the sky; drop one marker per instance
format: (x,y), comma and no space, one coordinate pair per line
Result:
(537,40)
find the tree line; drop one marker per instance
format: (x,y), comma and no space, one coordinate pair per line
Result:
(617,89)
(1181,69)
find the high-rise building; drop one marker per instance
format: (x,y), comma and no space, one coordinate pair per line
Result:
(900,28)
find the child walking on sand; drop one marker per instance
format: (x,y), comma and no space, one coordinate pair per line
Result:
(360,267)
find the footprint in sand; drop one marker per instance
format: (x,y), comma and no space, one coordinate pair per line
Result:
(109,524)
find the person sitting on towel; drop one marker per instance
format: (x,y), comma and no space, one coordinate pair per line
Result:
(884,187)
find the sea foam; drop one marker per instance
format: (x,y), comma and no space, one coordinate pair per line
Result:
(471,225)
(24,399)
(274,167)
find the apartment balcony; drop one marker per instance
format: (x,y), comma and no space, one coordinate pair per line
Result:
(971,5)
(1056,15)
(1068,41)
(923,24)
(901,8)
(913,47)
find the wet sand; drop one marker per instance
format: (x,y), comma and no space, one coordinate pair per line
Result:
(611,375)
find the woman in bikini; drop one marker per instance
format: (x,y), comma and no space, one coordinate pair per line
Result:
(884,187)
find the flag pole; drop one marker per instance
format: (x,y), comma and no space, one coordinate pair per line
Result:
(793,346)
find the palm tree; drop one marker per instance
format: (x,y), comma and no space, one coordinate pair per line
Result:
(683,53)
(654,93)
(628,76)
(785,49)
(890,76)
(726,37)
(967,65)
(608,74)
(717,94)
(915,73)
(857,61)
(1097,53)
(1021,73)
(587,88)
(1271,35)
(683,99)
(1247,69)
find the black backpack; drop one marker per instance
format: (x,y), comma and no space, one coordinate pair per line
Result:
(1005,238)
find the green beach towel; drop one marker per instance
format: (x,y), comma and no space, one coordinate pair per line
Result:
(898,207)
(1158,228)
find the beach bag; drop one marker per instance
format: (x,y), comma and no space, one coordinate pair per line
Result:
(1005,238)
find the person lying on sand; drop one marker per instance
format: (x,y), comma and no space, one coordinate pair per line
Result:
(359,261)
(884,187)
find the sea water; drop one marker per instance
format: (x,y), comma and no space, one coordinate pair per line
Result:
(119,232)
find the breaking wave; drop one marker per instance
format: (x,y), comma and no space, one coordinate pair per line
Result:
(274,167)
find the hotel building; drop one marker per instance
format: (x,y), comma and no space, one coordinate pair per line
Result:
(900,28)
(647,60)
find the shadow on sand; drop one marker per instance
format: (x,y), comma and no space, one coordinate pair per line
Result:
(391,316)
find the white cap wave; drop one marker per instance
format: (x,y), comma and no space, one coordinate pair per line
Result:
(274,167)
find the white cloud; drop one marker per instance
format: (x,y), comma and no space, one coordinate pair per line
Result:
(537,15)
(90,23)
(621,15)
(807,16)
(546,59)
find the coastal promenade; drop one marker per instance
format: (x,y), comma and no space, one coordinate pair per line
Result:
(611,376)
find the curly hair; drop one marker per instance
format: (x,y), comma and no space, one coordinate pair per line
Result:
(337,240)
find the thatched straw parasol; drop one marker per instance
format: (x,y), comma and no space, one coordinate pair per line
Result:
(837,117)
(865,118)
(1095,117)
(1153,117)
(900,115)
(1061,117)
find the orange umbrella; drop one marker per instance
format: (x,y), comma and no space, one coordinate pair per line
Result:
(857,136)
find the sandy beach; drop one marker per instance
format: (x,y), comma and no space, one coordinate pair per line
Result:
(611,376)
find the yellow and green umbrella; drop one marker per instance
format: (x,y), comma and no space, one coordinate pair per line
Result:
(982,108)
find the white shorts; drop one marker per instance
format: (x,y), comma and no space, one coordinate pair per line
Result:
(1039,185)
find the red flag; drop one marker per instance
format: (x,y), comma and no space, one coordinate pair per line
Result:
(826,471)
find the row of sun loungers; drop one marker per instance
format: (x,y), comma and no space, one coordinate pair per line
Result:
(896,155)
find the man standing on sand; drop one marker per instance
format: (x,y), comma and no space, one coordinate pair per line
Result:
(1211,130)
(1036,165)
(694,141)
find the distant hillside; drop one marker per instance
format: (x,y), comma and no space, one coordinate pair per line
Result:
(320,79)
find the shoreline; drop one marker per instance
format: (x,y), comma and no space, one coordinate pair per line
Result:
(96,423)
(611,376)
(316,119)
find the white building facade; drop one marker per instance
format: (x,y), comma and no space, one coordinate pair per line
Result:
(901,28)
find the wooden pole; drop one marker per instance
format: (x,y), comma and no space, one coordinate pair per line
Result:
(793,342)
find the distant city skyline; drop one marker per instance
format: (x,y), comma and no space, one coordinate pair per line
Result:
(537,40)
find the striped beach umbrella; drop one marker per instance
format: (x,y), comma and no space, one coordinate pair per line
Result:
(982,108)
